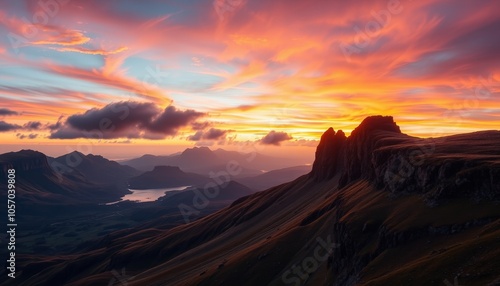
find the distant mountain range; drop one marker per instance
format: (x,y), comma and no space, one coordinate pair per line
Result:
(39,184)
(76,178)
(202,160)
(59,198)
(378,208)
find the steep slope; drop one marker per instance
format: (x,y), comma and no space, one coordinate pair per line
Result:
(227,192)
(378,208)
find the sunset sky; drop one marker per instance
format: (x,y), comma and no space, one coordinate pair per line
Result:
(132,77)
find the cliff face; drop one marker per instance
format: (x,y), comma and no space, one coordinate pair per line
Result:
(455,166)
(352,157)
(329,155)
(438,171)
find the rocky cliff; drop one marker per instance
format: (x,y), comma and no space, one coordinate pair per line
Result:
(398,163)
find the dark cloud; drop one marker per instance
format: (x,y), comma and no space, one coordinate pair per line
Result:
(30,136)
(33,125)
(5,127)
(215,134)
(200,125)
(172,119)
(196,137)
(56,125)
(121,115)
(211,134)
(275,138)
(126,119)
(6,112)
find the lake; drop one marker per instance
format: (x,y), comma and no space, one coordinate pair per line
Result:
(148,195)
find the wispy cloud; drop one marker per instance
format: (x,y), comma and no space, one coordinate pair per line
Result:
(242,62)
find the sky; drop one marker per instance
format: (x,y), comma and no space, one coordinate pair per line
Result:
(123,78)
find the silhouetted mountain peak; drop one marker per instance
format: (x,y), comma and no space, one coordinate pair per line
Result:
(95,168)
(336,152)
(327,153)
(76,153)
(373,123)
(201,154)
(24,160)
(197,150)
(148,156)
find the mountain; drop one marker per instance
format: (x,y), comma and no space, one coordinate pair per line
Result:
(166,177)
(274,177)
(94,167)
(203,161)
(38,184)
(378,208)
(61,209)
(148,162)
(198,158)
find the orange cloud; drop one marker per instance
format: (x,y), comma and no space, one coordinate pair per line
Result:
(271,65)
(90,51)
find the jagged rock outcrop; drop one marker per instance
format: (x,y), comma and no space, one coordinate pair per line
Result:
(351,157)
(439,169)
(329,158)
(362,144)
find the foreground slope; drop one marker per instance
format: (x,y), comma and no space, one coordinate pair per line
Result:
(378,208)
